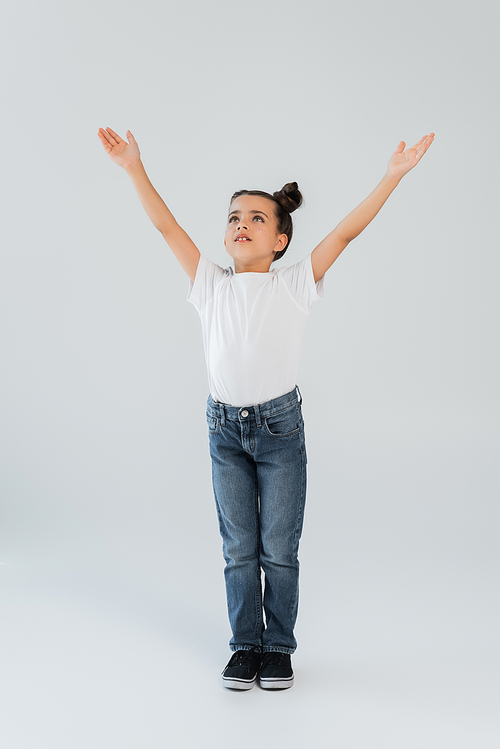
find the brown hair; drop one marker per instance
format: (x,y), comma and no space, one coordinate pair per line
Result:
(287,200)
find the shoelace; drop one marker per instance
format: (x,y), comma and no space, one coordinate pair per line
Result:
(241,658)
(271,659)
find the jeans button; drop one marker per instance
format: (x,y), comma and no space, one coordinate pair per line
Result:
(244,413)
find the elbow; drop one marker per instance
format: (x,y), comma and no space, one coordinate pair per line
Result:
(166,229)
(344,241)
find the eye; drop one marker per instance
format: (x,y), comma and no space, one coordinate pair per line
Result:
(258,217)
(232,218)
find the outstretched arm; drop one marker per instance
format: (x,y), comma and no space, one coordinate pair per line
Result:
(127,156)
(401,161)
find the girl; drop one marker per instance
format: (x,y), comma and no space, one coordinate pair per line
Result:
(253,320)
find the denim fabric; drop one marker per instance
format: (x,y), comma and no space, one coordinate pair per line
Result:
(259,478)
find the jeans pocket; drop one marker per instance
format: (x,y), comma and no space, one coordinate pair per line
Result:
(284,423)
(213,424)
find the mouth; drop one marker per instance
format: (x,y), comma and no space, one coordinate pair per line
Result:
(242,239)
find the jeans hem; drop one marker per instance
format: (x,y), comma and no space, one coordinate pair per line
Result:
(278,649)
(235,648)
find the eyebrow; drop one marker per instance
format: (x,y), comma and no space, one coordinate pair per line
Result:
(237,212)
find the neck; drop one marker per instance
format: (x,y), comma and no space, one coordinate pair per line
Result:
(262,266)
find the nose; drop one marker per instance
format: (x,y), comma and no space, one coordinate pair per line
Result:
(242,224)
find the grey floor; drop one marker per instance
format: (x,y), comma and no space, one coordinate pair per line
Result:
(97,653)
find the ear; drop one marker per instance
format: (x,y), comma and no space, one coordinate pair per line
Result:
(281,243)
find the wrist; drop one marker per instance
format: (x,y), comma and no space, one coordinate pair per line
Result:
(134,166)
(391,179)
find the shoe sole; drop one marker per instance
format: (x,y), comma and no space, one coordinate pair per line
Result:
(276,683)
(238,683)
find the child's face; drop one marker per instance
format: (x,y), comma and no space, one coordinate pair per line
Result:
(252,237)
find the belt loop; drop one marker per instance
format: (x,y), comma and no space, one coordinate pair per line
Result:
(300,395)
(222,414)
(257,415)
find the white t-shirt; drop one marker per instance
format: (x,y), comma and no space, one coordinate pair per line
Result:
(253,328)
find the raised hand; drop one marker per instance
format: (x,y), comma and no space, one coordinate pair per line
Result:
(119,151)
(402,161)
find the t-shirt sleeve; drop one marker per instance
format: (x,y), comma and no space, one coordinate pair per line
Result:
(201,290)
(300,280)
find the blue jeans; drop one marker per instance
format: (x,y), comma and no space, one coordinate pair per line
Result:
(259,478)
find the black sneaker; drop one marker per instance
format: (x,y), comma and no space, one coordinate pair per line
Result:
(276,671)
(241,671)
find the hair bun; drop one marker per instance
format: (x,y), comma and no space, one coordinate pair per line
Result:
(289,197)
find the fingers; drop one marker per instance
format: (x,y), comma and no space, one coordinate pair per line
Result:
(110,139)
(105,140)
(114,136)
(415,153)
(424,144)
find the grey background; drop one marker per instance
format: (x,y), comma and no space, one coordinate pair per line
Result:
(113,622)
